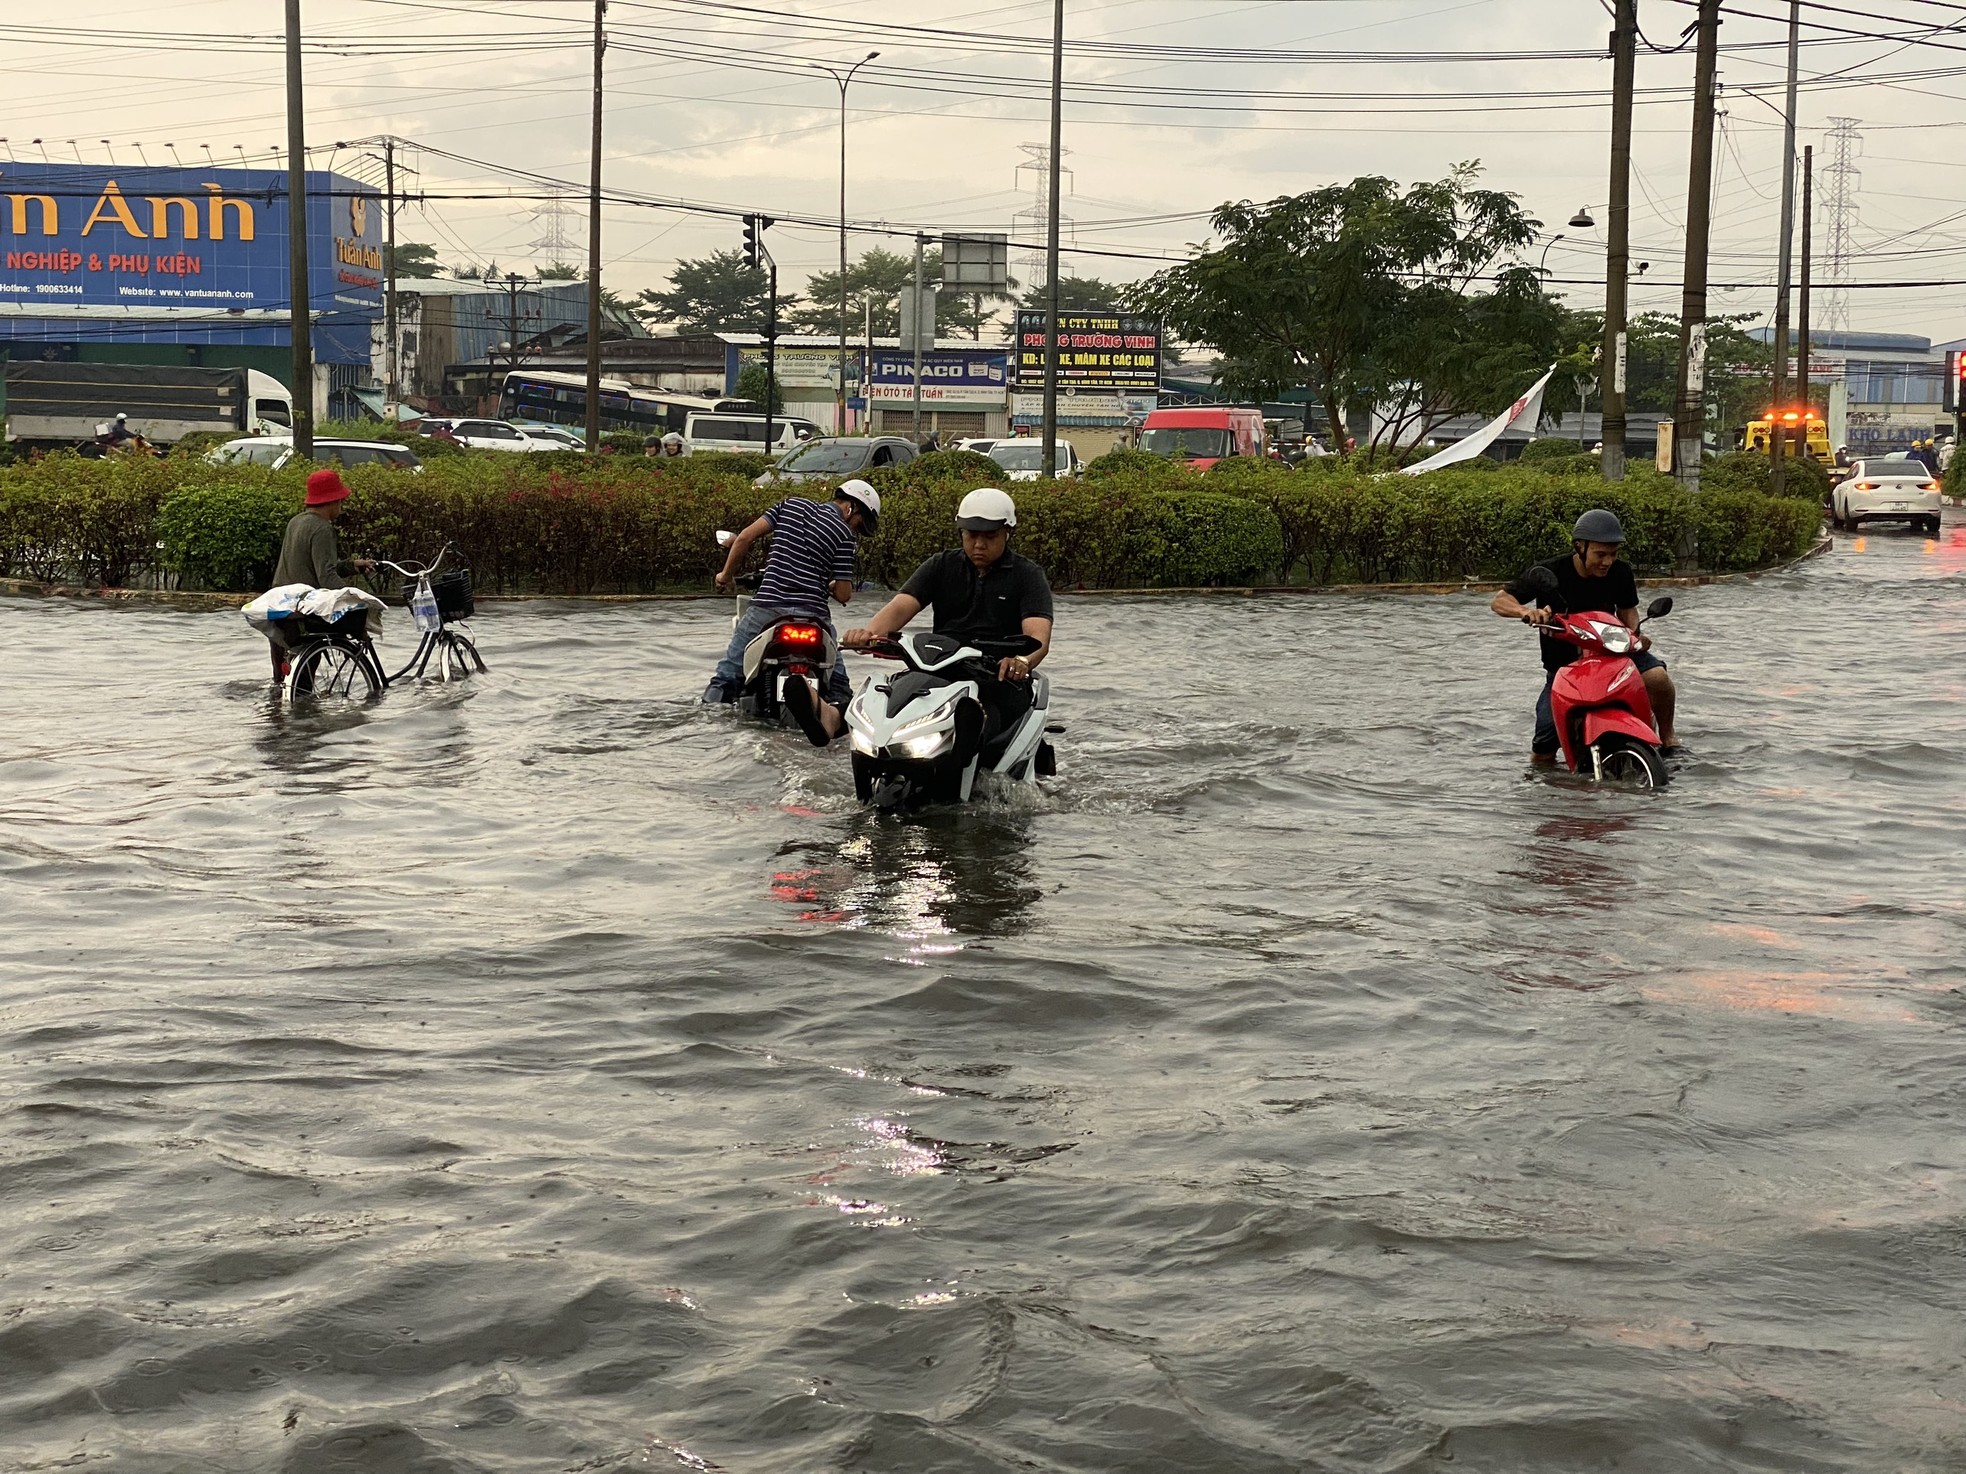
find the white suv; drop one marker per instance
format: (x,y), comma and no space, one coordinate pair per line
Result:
(1887,489)
(497,435)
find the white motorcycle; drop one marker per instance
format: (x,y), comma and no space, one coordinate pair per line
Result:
(918,735)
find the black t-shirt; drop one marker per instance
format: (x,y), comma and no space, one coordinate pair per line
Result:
(992,604)
(1617,590)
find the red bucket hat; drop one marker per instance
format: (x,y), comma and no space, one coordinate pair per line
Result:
(325,486)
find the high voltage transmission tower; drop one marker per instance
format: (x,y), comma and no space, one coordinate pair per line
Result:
(1031,221)
(1841,179)
(561,228)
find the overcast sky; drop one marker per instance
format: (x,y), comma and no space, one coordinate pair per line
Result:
(716,104)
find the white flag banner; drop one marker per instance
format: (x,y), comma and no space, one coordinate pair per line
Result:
(1526,410)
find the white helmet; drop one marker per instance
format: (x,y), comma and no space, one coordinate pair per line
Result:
(862,494)
(986,510)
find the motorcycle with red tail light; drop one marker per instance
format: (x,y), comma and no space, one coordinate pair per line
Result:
(1598,702)
(793,648)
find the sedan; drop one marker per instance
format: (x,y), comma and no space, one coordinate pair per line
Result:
(1887,489)
(278,451)
(845,455)
(1023,460)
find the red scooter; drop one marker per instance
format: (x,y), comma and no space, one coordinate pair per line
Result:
(1602,712)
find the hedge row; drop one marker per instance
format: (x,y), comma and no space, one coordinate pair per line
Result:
(567,524)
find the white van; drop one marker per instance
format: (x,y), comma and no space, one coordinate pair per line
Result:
(746,432)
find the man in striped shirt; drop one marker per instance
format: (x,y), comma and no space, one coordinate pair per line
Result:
(811,558)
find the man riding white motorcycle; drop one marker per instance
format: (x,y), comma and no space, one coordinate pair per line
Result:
(981,591)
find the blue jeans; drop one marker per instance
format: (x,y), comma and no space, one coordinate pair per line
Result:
(1545,741)
(729,679)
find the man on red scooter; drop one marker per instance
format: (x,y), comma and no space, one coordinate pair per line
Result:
(1591,579)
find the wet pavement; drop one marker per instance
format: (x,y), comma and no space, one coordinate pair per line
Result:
(555,1075)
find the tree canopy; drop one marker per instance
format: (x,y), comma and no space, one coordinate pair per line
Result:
(1075,294)
(1365,294)
(416,260)
(718,293)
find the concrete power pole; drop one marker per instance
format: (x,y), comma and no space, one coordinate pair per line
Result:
(1049,450)
(1689,402)
(593,425)
(1617,260)
(1802,304)
(391,352)
(1777,431)
(299,315)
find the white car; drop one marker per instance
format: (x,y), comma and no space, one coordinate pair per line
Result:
(730,431)
(497,435)
(1887,489)
(980,446)
(560,435)
(1023,460)
(277,450)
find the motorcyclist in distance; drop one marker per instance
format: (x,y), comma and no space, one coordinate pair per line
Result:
(980,591)
(1591,578)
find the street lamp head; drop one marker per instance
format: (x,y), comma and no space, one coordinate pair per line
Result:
(870,56)
(1582,219)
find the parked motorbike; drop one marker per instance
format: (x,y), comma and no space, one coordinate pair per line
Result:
(917,735)
(795,647)
(1599,703)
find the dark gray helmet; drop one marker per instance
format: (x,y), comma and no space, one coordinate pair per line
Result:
(1598,526)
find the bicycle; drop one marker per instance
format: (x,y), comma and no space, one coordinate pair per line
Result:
(337,658)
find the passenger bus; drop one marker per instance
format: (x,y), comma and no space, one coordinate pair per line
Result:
(561,399)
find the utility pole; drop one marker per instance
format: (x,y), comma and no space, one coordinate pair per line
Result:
(299,316)
(391,365)
(1802,305)
(1777,425)
(594,244)
(1689,402)
(915,331)
(1050,428)
(1617,259)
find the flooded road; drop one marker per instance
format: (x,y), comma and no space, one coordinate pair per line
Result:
(555,1076)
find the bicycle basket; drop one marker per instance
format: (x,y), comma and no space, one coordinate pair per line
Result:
(453,591)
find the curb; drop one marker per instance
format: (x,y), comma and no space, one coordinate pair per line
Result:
(177,599)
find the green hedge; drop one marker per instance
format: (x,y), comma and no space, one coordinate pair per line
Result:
(574,524)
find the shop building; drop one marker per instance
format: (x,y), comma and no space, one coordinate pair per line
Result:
(187,266)
(965,384)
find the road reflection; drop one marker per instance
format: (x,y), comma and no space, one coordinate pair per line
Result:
(937,880)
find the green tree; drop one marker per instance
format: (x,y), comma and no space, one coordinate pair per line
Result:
(875,280)
(558,271)
(1340,289)
(416,260)
(751,384)
(719,293)
(1075,294)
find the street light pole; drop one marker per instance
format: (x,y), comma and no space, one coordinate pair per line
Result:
(1049,430)
(842,79)
(1777,434)
(1617,256)
(1543,266)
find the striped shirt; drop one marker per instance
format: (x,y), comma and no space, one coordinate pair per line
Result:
(811,547)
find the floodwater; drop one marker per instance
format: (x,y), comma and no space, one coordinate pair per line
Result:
(552,1075)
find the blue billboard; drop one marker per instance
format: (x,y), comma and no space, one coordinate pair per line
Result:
(93,252)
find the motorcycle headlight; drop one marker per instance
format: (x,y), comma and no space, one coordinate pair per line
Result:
(863,744)
(1615,638)
(927,745)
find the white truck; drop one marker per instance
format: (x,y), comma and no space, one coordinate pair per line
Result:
(63,404)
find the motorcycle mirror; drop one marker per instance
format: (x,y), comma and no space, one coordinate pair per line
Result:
(1658,607)
(724,539)
(1540,582)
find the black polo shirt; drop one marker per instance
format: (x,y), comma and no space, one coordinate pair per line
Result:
(1616,590)
(990,604)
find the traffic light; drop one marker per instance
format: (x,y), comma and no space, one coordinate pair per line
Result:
(755,227)
(1955,400)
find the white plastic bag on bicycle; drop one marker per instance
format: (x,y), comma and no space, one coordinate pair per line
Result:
(332,604)
(275,605)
